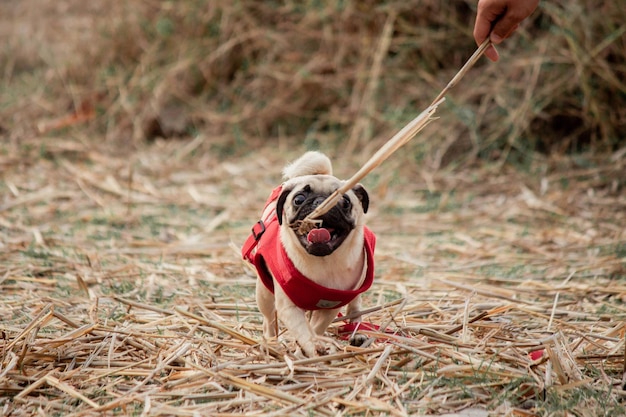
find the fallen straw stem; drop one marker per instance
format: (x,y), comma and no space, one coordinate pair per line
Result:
(392,145)
(466,67)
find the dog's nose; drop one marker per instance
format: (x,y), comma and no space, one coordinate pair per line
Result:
(318,201)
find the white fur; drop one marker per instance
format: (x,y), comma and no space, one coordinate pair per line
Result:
(311,163)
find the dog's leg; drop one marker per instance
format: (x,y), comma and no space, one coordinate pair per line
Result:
(265,301)
(353,308)
(294,318)
(321,319)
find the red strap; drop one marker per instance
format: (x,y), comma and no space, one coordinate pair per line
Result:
(258,229)
(347,330)
(253,240)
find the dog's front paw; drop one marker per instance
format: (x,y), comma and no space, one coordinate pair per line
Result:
(314,347)
(321,348)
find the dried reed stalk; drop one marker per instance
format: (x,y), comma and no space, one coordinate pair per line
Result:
(396,142)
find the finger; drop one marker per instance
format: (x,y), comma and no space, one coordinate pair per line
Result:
(482,28)
(492,53)
(504,27)
(487,14)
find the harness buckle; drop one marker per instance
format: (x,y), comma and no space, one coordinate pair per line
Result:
(258,229)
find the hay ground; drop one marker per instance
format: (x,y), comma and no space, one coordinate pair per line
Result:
(500,271)
(123,291)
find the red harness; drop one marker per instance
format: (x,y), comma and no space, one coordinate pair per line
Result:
(270,255)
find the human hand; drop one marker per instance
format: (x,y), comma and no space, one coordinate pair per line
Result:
(498,19)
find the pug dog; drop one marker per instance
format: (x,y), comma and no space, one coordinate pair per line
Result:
(304,279)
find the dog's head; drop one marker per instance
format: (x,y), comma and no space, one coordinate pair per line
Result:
(301,195)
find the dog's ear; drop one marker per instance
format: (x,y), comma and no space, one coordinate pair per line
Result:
(280,204)
(363,197)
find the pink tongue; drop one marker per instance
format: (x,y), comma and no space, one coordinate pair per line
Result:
(318,236)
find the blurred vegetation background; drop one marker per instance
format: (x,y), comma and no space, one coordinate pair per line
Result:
(340,75)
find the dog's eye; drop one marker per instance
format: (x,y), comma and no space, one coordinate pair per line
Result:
(298,199)
(346,203)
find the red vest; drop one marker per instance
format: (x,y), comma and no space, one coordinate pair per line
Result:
(270,255)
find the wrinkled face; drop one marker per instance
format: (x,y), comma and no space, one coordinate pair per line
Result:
(298,200)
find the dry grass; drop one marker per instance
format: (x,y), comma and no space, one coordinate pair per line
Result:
(122,291)
(341,74)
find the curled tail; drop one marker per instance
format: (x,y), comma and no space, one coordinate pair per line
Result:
(311,163)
